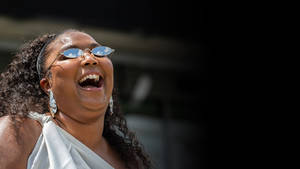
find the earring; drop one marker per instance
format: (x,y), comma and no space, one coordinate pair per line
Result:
(111,105)
(53,107)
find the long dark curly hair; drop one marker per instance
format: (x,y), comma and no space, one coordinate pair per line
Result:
(21,93)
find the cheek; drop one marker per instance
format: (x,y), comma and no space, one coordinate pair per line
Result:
(108,66)
(63,83)
(64,73)
(109,70)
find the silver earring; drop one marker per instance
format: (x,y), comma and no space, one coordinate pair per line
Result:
(111,105)
(53,107)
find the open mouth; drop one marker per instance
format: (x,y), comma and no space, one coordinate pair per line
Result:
(91,81)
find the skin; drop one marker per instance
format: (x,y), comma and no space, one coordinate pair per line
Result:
(14,153)
(80,112)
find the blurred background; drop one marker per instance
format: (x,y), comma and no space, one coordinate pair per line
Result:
(161,64)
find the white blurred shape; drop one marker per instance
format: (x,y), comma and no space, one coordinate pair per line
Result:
(141,89)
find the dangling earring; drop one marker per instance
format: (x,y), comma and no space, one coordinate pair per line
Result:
(53,107)
(111,105)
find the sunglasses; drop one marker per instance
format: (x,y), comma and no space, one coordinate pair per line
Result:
(100,51)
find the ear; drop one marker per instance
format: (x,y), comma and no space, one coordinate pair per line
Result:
(45,85)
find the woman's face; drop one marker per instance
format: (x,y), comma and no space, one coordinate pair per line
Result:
(74,82)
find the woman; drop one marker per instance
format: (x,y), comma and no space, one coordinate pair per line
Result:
(68,79)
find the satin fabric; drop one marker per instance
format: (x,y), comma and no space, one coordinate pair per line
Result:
(57,149)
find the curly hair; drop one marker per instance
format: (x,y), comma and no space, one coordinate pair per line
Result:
(21,93)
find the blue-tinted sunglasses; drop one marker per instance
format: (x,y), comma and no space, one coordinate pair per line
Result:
(100,51)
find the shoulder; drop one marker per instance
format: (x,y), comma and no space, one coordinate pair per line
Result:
(16,144)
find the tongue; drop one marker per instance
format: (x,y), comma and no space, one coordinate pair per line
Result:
(89,86)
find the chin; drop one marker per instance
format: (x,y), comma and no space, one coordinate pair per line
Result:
(94,105)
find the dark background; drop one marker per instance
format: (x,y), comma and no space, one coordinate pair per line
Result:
(185,21)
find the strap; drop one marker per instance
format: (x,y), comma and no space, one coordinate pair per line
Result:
(41,118)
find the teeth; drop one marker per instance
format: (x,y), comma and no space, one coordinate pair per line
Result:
(96,77)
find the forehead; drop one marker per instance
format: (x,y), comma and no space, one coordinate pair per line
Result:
(78,39)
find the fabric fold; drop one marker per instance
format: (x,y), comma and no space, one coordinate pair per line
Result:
(57,149)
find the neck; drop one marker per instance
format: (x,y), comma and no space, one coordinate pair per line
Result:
(89,133)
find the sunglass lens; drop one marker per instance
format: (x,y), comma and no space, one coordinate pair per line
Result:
(73,53)
(102,51)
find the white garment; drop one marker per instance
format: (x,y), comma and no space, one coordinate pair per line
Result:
(57,149)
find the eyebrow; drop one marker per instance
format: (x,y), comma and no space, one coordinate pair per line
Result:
(92,45)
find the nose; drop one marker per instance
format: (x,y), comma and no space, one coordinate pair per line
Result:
(88,59)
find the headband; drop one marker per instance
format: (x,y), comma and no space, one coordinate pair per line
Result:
(39,59)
